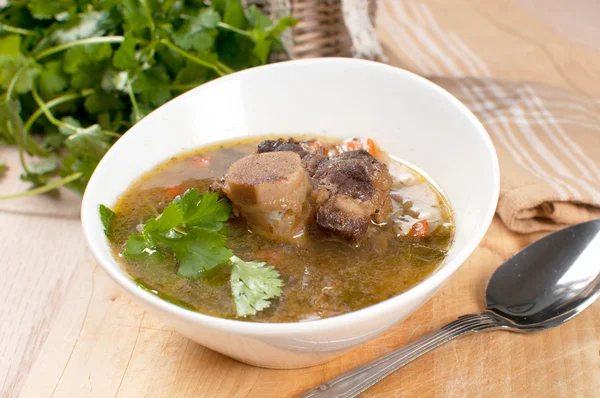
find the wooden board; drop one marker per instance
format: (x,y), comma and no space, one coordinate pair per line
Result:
(66,330)
(104,345)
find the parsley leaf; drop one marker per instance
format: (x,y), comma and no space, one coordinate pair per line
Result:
(138,248)
(84,25)
(199,251)
(14,64)
(264,32)
(234,13)
(38,173)
(100,101)
(190,228)
(134,18)
(87,143)
(43,166)
(106,216)
(3,167)
(110,63)
(85,166)
(124,57)
(52,79)
(198,33)
(151,85)
(171,217)
(204,211)
(253,284)
(44,9)
(67,128)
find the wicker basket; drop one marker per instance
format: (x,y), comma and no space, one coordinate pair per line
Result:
(326,28)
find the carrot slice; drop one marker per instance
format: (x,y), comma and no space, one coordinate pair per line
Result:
(358,143)
(419,230)
(175,191)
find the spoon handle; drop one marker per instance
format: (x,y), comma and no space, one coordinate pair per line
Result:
(356,381)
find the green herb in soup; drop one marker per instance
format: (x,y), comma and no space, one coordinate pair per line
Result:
(280,230)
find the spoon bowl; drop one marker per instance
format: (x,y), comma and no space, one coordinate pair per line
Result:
(542,286)
(550,281)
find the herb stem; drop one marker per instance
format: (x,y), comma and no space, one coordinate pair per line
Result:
(55,102)
(44,107)
(111,133)
(149,17)
(179,231)
(15,125)
(14,29)
(134,103)
(193,58)
(19,137)
(13,82)
(45,188)
(225,68)
(81,42)
(230,28)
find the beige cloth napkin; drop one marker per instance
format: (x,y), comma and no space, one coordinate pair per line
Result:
(548,144)
(547,139)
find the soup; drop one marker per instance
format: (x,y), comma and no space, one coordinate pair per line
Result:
(332,243)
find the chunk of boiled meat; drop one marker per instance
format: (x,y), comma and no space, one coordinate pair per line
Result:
(280,187)
(353,189)
(311,155)
(270,191)
(344,215)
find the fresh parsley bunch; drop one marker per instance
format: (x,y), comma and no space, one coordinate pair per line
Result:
(191,228)
(76,74)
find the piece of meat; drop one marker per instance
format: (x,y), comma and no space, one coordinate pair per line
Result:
(311,155)
(353,189)
(280,187)
(270,191)
(281,145)
(344,215)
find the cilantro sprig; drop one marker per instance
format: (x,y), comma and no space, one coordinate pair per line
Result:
(191,229)
(253,283)
(76,74)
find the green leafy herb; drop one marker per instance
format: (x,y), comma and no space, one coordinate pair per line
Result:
(124,58)
(171,217)
(199,251)
(2,167)
(253,284)
(95,67)
(52,79)
(106,216)
(191,229)
(204,211)
(37,173)
(138,248)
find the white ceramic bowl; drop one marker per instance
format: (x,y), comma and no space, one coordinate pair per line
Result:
(405,114)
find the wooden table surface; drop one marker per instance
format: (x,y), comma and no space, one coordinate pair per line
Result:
(66,330)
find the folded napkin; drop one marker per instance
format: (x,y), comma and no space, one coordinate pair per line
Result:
(548,144)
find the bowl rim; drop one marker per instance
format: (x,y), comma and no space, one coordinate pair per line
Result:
(434,280)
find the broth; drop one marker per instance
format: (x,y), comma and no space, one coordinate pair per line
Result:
(326,277)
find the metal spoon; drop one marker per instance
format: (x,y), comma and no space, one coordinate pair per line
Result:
(542,286)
